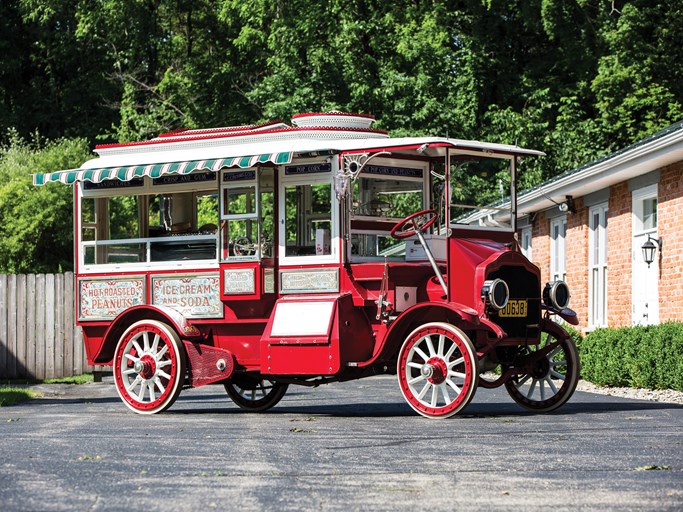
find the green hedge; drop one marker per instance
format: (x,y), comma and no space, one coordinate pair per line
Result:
(644,357)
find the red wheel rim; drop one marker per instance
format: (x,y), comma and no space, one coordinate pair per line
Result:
(436,371)
(146,367)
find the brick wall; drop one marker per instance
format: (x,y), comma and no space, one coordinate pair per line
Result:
(619,251)
(619,255)
(577,260)
(670,228)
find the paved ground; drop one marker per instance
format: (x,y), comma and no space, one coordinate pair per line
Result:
(351,446)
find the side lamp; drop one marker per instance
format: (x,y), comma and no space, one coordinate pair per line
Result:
(649,248)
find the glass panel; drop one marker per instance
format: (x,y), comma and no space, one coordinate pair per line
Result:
(125,253)
(89,256)
(650,213)
(123,217)
(397,199)
(242,238)
(239,201)
(207,213)
(88,210)
(308,219)
(371,245)
(488,183)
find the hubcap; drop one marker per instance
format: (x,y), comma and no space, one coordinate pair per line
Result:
(435,370)
(145,367)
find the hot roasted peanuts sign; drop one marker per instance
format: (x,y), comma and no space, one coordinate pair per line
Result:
(103,299)
(193,296)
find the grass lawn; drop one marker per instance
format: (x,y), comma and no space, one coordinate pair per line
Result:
(10,394)
(13,396)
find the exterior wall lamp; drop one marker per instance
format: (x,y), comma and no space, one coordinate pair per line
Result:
(649,248)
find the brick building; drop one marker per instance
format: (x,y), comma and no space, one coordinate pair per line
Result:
(588,226)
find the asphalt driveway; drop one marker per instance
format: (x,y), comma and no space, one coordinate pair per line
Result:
(350,446)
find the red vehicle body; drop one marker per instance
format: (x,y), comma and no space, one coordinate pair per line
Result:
(264,256)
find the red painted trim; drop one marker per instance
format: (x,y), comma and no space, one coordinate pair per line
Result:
(190,131)
(171,140)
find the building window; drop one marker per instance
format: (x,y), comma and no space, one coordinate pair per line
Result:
(525,242)
(597,266)
(558,257)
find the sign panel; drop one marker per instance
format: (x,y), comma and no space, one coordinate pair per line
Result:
(293,170)
(238,281)
(196,296)
(309,281)
(104,299)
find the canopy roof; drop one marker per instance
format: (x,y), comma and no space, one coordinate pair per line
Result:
(241,148)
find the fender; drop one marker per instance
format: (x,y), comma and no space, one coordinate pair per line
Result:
(452,312)
(105,352)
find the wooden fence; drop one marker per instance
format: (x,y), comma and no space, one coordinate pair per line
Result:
(38,335)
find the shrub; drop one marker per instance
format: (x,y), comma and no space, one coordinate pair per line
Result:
(640,356)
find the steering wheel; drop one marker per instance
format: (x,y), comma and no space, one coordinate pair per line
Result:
(418,221)
(243,246)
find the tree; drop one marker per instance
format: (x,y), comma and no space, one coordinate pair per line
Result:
(36,223)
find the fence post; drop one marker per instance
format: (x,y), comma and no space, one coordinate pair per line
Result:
(22,321)
(31,326)
(3,326)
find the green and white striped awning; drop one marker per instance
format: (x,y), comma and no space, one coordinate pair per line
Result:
(156,170)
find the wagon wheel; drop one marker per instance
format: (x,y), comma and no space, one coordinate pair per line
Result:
(552,379)
(437,370)
(418,221)
(255,395)
(149,367)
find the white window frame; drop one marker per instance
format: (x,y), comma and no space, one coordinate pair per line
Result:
(558,248)
(526,242)
(597,265)
(253,216)
(147,189)
(308,179)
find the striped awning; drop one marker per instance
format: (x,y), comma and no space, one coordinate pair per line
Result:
(156,170)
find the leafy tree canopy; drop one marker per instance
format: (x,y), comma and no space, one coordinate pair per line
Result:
(574,78)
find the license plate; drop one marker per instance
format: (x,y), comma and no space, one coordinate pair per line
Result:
(514,308)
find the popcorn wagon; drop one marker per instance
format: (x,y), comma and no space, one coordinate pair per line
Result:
(264,256)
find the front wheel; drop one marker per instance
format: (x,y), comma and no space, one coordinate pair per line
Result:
(255,395)
(552,378)
(437,370)
(149,367)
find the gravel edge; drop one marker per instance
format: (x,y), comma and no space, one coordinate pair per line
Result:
(653,395)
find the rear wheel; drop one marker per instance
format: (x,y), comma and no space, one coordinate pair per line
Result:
(255,394)
(552,378)
(437,370)
(149,367)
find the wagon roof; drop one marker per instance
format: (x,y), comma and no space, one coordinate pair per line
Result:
(242,147)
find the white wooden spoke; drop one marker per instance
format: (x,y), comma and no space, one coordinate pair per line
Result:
(163,374)
(420,353)
(430,345)
(453,385)
(456,374)
(137,347)
(448,354)
(532,388)
(456,362)
(131,357)
(416,379)
(159,384)
(422,393)
(442,343)
(164,364)
(135,382)
(444,392)
(417,366)
(145,341)
(521,382)
(161,353)
(155,344)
